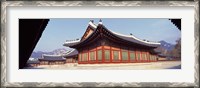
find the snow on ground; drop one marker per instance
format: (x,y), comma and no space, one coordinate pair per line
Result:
(118,66)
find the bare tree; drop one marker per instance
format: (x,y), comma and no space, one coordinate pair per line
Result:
(176,52)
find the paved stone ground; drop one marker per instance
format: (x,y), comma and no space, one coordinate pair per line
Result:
(118,66)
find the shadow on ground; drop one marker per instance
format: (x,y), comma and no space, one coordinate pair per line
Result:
(175,67)
(32,68)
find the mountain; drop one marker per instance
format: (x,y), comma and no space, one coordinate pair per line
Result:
(60,51)
(167,46)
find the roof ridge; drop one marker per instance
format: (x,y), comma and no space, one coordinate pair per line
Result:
(132,36)
(93,24)
(72,41)
(70,51)
(51,55)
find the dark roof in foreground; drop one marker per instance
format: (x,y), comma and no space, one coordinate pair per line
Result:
(52,58)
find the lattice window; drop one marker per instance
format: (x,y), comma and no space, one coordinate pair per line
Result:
(124,55)
(92,56)
(116,55)
(99,55)
(107,55)
(132,55)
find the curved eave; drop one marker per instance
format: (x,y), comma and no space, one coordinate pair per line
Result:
(71,43)
(72,53)
(133,39)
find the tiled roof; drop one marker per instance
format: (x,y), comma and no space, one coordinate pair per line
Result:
(33,62)
(72,53)
(129,38)
(52,58)
(133,39)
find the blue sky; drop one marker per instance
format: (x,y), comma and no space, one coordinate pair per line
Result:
(59,30)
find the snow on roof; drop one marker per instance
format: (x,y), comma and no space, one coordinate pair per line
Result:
(92,24)
(100,22)
(71,53)
(72,41)
(52,57)
(131,36)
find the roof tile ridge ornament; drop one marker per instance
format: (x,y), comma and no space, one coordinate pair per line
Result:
(100,22)
(100,25)
(91,23)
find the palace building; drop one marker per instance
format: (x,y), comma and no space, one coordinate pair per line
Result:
(52,60)
(101,45)
(33,63)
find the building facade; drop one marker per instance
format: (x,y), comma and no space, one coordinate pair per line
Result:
(101,45)
(33,63)
(52,60)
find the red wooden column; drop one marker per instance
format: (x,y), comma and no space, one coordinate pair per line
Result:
(110,55)
(81,57)
(147,56)
(96,55)
(103,59)
(129,59)
(140,53)
(120,54)
(136,57)
(88,55)
(141,59)
(78,57)
(146,59)
(134,52)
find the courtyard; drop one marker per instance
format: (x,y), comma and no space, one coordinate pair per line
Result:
(114,66)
